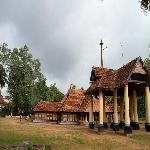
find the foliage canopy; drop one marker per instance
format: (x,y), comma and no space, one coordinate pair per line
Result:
(26,83)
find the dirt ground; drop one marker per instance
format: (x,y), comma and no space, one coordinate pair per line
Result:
(70,136)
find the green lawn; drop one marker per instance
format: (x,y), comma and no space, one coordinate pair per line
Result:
(68,137)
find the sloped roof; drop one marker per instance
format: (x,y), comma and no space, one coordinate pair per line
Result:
(74,101)
(78,101)
(95,106)
(44,106)
(124,72)
(109,79)
(106,78)
(108,108)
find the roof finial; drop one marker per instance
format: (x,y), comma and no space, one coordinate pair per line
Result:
(101,44)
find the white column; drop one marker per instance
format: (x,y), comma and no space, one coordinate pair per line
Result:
(86,117)
(126,100)
(147,104)
(100,107)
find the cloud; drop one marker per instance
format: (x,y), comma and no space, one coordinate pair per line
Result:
(65,34)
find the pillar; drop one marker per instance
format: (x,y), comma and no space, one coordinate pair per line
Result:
(136,121)
(86,120)
(91,123)
(147,105)
(131,111)
(121,124)
(115,125)
(127,128)
(100,126)
(104,114)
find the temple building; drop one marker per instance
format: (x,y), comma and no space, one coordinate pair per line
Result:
(46,111)
(73,109)
(124,85)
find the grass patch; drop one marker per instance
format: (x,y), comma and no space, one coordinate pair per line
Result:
(143,139)
(66,137)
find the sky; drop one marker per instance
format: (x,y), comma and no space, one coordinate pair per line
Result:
(65,35)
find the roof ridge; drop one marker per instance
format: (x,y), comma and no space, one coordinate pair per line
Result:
(135,59)
(110,78)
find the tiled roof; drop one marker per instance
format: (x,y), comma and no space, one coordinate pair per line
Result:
(98,71)
(108,108)
(95,106)
(124,72)
(74,100)
(78,101)
(109,78)
(44,106)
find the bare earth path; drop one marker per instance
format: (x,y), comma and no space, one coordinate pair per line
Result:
(68,137)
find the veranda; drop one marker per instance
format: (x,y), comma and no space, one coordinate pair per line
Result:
(126,83)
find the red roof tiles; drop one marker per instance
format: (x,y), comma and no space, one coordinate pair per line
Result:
(125,72)
(44,106)
(109,79)
(73,101)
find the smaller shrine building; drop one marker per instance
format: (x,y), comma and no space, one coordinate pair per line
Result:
(73,109)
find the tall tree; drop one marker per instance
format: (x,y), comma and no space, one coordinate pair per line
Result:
(2,77)
(22,71)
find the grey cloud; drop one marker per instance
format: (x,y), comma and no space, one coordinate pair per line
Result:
(65,34)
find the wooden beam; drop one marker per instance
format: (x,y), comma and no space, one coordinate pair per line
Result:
(136,81)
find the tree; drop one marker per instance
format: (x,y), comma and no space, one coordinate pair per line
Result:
(72,86)
(39,91)
(141,107)
(145,5)
(53,93)
(141,100)
(2,77)
(147,64)
(22,72)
